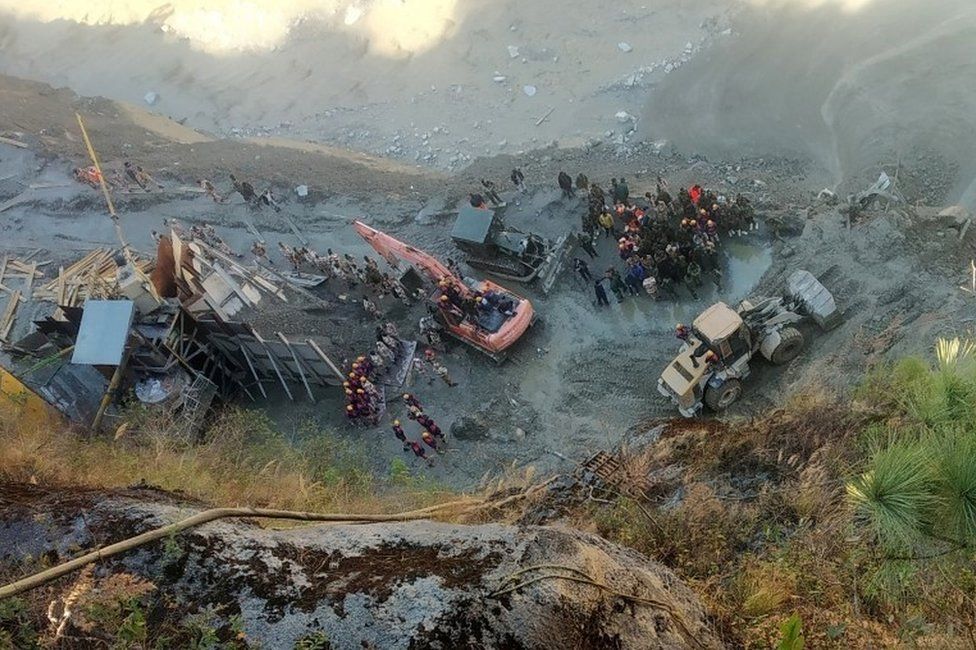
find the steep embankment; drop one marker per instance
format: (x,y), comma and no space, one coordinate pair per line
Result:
(418,584)
(889,82)
(46,116)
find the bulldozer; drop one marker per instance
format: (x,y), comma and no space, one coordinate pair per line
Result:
(507,252)
(716,354)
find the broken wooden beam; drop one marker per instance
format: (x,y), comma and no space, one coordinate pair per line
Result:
(9,315)
(298,365)
(14,143)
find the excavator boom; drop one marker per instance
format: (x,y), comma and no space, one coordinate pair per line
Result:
(392,249)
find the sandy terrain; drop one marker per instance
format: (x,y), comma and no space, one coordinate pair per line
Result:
(414,81)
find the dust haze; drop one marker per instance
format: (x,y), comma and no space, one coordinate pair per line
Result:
(850,85)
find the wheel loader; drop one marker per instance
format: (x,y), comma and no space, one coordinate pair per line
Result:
(715,357)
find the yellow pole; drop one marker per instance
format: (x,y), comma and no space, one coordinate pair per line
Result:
(105,192)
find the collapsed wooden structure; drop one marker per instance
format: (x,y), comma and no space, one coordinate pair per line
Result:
(189,343)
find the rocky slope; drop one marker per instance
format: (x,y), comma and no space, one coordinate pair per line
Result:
(412,585)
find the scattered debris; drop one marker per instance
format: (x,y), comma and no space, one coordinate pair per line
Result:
(151,98)
(624,117)
(513,51)
(13,143)
(529,90)
(624,47)
(541,119)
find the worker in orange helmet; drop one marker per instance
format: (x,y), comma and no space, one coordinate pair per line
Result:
(682,332)
(400,434)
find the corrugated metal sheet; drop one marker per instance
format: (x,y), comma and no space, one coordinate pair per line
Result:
(103,333)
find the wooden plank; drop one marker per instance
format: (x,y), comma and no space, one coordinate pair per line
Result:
(294,229)
(324,357)
(29,284)
(271,359)
(3,268)
(23,197)
(248,273)
(254,373)
(236,288)
(14,143)
(61,285)
(298,365)
(9,315)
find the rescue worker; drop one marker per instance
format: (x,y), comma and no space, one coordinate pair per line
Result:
(693,274)
(140,176)
(400,435)
(430,441)
(210,189)
(623,192)
(682,332)
(267,198)
(581,267)
(606,222)
(491,192)
(518,180)
(586,243)
(601,294)
(410,400)
(370,307)
(441,371)
(260,251)
(245,189)
(419,452)
(478,201)
(582,182)
(616,283)
(566,185)
(88,176)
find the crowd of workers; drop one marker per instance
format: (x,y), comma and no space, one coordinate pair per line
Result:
(457,303)
(120,179)
(663,241)
(364,401)
(430,433)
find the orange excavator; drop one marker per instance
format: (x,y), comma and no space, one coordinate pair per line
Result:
(500,318)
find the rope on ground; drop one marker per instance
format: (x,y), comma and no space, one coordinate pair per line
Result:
(464,506)
(583,578)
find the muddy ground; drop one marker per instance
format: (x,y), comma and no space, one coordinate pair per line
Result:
(584,377)
(581,380)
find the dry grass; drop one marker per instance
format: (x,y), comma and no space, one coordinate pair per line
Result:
(242,460)
(752,515)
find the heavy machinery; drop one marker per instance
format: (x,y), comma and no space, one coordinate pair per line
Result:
(492,332)
(507,252)
(715,356)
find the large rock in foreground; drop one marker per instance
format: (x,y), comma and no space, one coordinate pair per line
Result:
(410,585)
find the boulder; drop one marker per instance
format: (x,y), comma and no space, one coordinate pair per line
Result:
(399,585)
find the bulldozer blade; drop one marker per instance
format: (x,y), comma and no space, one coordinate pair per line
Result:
(815,298)
(553,266)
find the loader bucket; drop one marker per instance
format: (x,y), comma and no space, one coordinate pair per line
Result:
(817,301)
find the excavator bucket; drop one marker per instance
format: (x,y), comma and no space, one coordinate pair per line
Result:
(816,300)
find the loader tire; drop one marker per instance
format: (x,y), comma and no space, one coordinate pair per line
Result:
(721,397)
(790,346)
